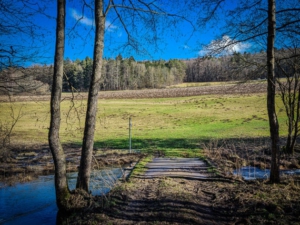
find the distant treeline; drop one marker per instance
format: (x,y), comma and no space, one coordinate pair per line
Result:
(129,74)
(124,74)
(226,68)
(117,74)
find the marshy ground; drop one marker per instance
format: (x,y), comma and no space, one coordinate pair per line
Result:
(26,163)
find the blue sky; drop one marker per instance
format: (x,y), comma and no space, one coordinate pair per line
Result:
(172,44)
(174,41)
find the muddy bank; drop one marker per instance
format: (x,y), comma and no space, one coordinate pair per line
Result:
(27,162)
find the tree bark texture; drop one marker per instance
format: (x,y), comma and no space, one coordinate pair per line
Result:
(61,184)
(273,121)
(91,114)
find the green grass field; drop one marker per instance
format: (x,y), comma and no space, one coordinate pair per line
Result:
(163,123)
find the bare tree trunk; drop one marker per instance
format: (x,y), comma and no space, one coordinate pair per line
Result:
(293,113)
(289,92)
(273,122)
(61,184)
(290,113)
(90,121)
(295,118)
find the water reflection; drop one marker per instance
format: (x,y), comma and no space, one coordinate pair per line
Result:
(251,173)
(101,180)
(34,202)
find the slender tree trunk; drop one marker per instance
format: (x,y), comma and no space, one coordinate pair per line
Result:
(296,119)
(294,115)
(273,122)
(290,114)
(61,184)
(90,121)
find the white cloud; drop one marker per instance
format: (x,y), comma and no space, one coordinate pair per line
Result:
(109,26)
(82,19)
(186,47)
(90,22)
(225,45)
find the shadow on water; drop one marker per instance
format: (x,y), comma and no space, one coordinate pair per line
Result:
(34,202)
(27,202)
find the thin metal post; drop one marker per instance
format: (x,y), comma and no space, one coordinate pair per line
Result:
(129,134)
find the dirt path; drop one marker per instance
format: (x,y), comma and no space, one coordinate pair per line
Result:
(166,201)
(172,191)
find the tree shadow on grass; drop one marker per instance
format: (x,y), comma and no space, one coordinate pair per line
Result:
(167,210)
(173,143)
(148,143)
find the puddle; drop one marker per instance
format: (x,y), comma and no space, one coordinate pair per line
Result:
(252,173)
(34,202)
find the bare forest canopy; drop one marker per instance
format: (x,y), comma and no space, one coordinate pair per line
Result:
(128,74)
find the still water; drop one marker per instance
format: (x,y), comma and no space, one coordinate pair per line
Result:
(251,173)
(34,202)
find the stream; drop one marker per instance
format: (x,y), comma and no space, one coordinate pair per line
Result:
(34,202)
